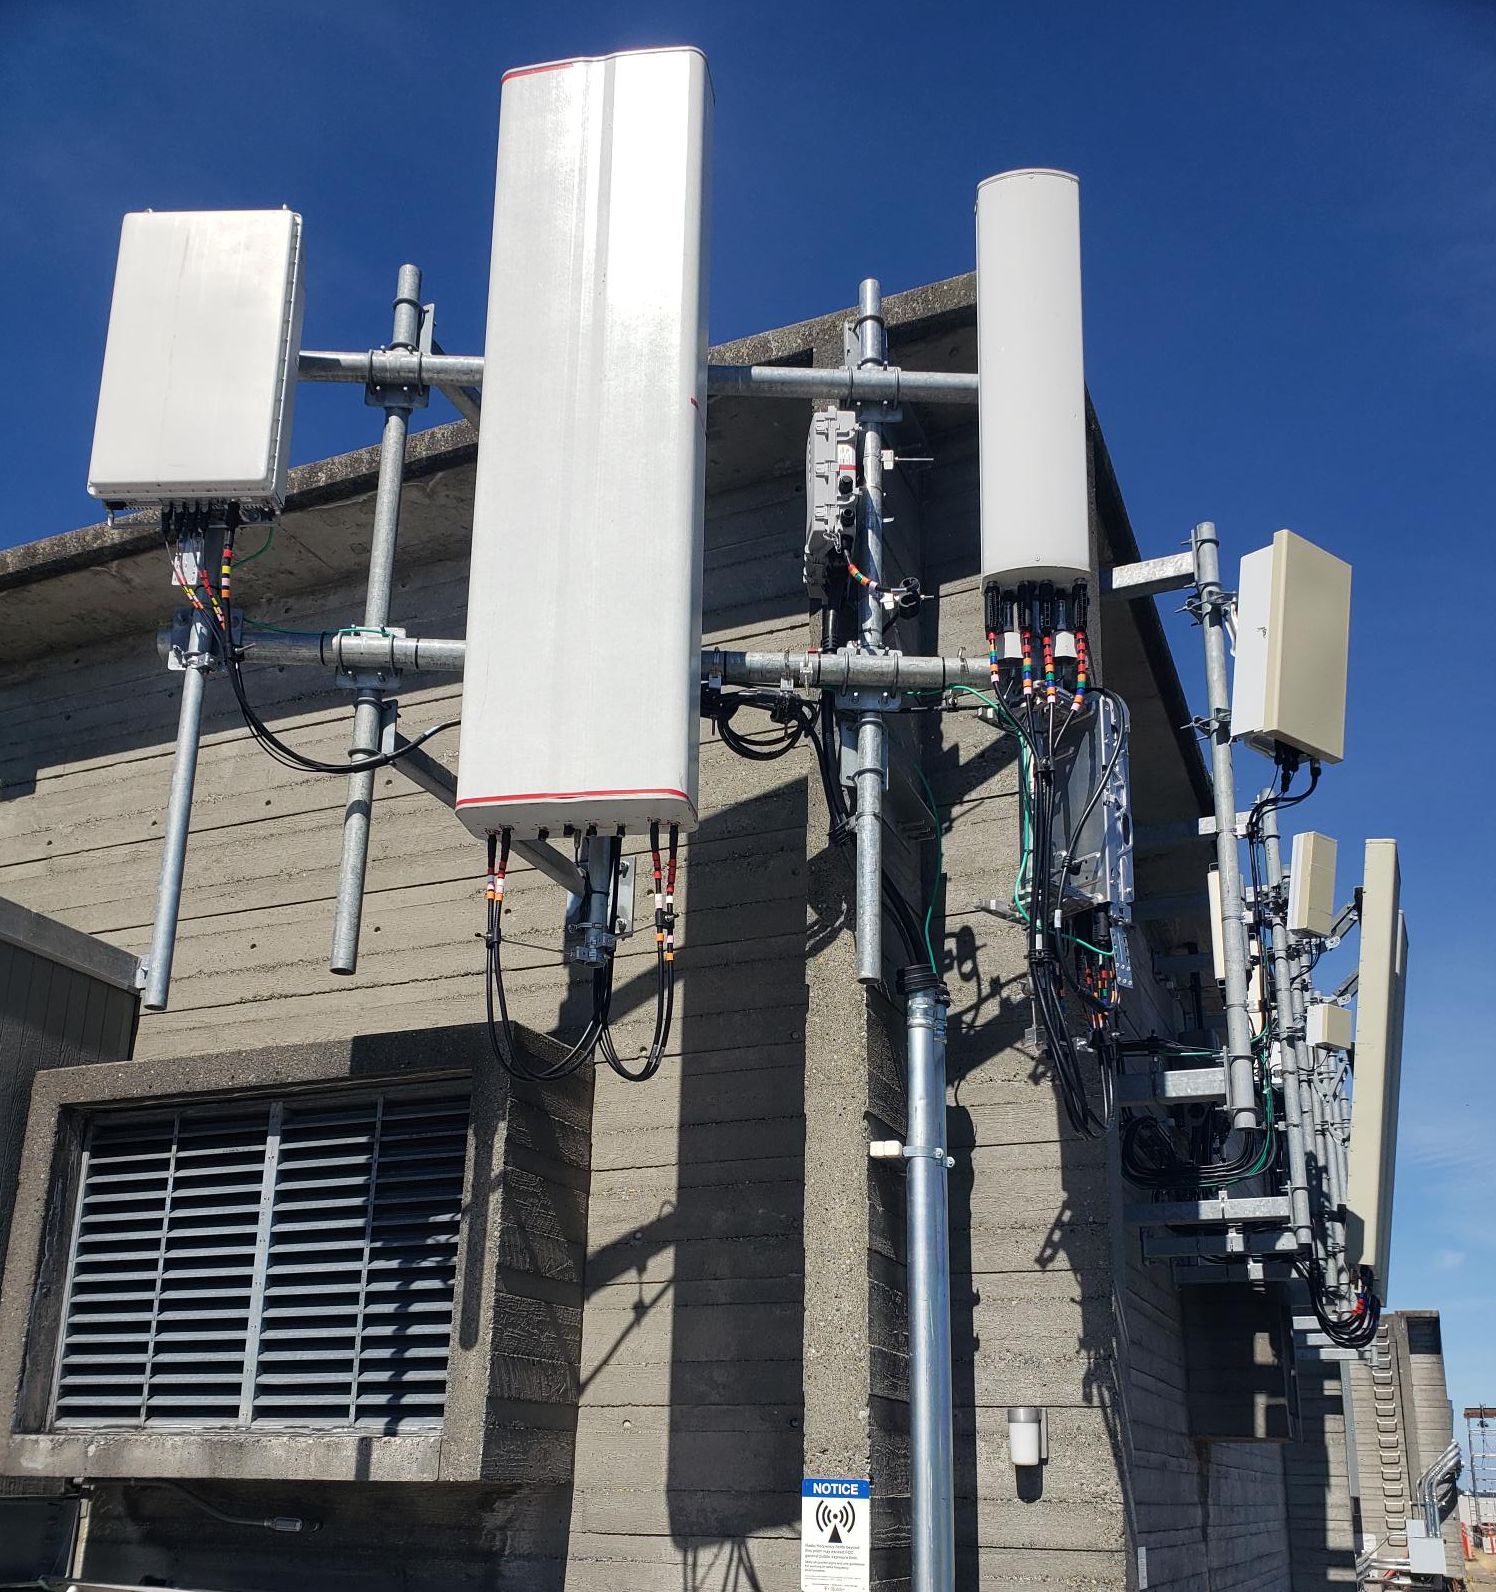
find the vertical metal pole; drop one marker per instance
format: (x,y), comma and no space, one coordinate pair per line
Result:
(199,657)
(1337,1135)
(1212,603)
(927,1225)
(368,712)
(872,732)
(1290,1034)
(1318,1114)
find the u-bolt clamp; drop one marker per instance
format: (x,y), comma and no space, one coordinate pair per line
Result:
(934,1153)
(892,1150)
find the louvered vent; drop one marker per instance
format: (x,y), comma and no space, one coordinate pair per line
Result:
(290,1264)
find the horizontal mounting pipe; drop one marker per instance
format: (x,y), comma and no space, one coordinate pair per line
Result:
(350,649)
(805,671)
(392,367)
(381,367)
(855,384)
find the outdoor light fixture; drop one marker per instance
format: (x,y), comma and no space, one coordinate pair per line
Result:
(1028,1435)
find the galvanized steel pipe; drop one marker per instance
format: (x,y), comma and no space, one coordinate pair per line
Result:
(368,713)
(1291,1048)
(872,732)
(927,1229)
(804,671)
(178,819)
(866,384)
(1211,599)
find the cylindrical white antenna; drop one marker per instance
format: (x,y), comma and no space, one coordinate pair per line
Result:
(1031,381)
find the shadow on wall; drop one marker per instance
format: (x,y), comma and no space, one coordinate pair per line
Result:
(735,1287)
(1012,1335)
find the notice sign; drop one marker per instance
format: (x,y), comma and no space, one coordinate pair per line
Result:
(836,1534)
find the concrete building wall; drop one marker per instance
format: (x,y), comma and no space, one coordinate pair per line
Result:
(1321,1537)
(64,1002)
(743,1321)
(1402,1423)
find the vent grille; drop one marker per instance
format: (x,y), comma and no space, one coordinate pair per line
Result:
(288,1264)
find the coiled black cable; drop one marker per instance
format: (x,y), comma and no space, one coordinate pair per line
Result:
(596,1037)
(1354,1331)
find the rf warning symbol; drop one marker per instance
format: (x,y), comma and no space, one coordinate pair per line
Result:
(835,1534)
(834,1519)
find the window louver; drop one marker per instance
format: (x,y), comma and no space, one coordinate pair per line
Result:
(287,1264)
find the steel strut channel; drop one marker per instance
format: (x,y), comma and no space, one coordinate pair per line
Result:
(1222,1212)
(1193,1084)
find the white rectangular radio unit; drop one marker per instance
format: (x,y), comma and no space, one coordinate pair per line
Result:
(200,362)
(580,696)
(1293,624)
(1328,1027)
(1031,386)
(1311,884)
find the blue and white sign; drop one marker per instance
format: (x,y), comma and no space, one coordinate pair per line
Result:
(836,1535)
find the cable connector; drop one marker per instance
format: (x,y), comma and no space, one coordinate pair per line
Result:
(498,867)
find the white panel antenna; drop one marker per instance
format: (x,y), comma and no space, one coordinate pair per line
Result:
(580,703)
(1377,1075)
(200,362)
(1311,884)
(1293,620)
(1035,496)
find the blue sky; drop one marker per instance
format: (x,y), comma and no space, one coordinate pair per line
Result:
(1289,219)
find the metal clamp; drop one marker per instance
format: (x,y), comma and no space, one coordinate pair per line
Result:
(936,1153)
(893,1150)
(378,678)
(384,387)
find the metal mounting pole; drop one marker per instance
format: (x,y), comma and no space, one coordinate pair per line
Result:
(198,657)
(453,372)
(368,713)
(872,732)
(1317,1113)
(927,1226)
(1211,603)
(1291,1048)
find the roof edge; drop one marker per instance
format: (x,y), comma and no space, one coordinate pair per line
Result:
(67,946)
(345,475)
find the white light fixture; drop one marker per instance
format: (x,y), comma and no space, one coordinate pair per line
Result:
(1028,1434)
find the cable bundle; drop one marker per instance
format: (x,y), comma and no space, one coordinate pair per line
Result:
(1150,1159)
(1356,1330)
(596,1036)
(804,721)
(1039,891)
(664,965)
(215,608)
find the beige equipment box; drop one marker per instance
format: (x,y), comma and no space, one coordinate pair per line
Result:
(1293,618)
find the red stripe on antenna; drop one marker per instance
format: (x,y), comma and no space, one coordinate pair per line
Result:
(568,796)
(545,66)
